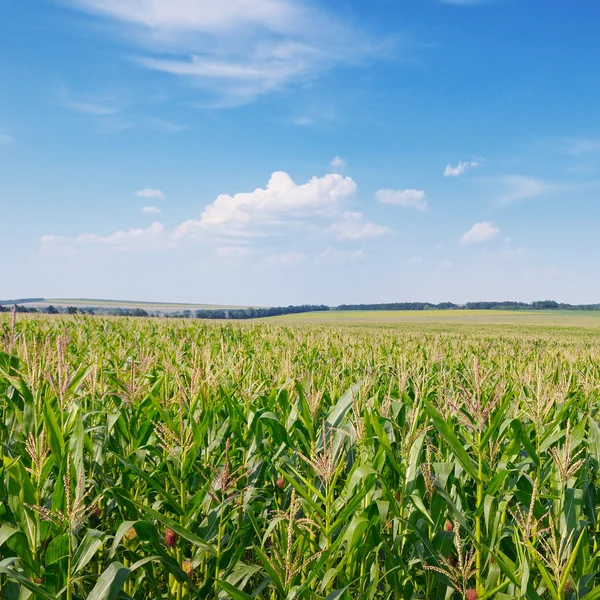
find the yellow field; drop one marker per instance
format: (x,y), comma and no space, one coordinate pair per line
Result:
(474,317)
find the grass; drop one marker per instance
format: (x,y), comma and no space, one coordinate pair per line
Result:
(177,459)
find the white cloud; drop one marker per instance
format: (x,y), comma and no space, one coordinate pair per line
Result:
(150,193)
(150,210)
(233,251)
(479,233)
(167,17)
(578,147)
(282,201)
(524,188)
(514,253)
(288,258)
(414,261)
(128,240)
(90,108)
(543,271)
(337,162)
(98,105)
(352,226)
(446,264)
(6,139)
(238,49)
(460,169)
(409,198)
(333,256)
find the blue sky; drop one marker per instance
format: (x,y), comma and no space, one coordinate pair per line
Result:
(284,152)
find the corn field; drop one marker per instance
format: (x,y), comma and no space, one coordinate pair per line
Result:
(153,459)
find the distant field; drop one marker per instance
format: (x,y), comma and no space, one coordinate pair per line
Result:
(165,307)
(564,318)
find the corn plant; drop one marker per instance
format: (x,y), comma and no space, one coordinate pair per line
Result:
(184,459)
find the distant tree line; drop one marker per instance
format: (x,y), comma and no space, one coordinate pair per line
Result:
(76,310)
(259,313)
(229,313)
(398,306)
(506,305)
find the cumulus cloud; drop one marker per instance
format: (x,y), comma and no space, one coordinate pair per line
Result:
(409,198)
(446,264)
(353,226)
(479,233)
(414,261)
(460,169)
(5,138)
(284,211)
(337,162)
(151,193)
(281,201)
(126,240)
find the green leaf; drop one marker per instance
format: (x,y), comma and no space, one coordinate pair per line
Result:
(110,582)
(26,583)
(271,572)
(569,565)
(86,550)
(457,448)
(233,591)
(55,436)
(170,523)
(151,481)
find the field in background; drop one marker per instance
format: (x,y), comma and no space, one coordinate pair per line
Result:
(175,459)
(557,318)
(163,307)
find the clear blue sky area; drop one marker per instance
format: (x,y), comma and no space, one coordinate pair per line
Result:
(285,152)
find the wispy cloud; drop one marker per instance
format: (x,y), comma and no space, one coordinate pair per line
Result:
(151,237)
(288,258)
(238,49)
(583,146)
(414,261)
(151,193)
(150,210)
(6,139)
(460,169)
(479,233)
(333,255)
(99,105)
(514,253)
(520,187)
(353,226)
(409,198)
(233,251)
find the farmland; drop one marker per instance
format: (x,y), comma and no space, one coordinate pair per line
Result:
(300,457)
